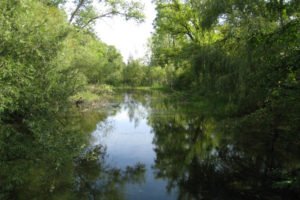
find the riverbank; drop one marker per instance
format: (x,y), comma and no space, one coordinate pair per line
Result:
(102,96)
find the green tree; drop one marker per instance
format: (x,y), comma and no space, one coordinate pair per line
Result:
(155,76)
(85,14)
(31,79)
(112,69)
(133,73)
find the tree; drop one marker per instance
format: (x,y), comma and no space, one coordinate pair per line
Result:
(155,76)
(85,13)
(133,73)
(32,81)
(111,71)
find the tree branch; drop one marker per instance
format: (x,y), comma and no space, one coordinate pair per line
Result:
(98,17)
(80,4)
(108,14)
(188,32)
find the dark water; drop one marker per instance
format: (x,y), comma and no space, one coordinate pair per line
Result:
(148,146)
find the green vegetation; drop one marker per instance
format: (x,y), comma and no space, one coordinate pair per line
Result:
(244,54)
(239,58)
(45,58)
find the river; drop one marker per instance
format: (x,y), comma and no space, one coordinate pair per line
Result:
(148,145)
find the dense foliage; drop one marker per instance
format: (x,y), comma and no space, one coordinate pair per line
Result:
(45,58)
(245,53)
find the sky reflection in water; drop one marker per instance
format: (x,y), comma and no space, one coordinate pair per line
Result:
(128,139)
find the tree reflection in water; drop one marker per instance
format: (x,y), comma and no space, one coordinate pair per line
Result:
(227,159)
(49,158)
(97,180)
(201,156)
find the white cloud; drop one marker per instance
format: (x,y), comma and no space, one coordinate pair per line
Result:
(128,37)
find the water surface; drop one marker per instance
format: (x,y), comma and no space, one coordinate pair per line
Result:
(128,138)
(148,145)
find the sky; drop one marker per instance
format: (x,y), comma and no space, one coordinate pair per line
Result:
(129,37)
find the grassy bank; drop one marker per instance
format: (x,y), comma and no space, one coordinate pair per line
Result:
(93,96)
(97,96)
(92,93)
(142,88)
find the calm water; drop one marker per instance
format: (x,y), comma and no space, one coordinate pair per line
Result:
(128,138)
(148,146)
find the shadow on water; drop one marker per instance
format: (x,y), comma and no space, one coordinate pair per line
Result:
(51,158)
(145,140)
(205,158)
